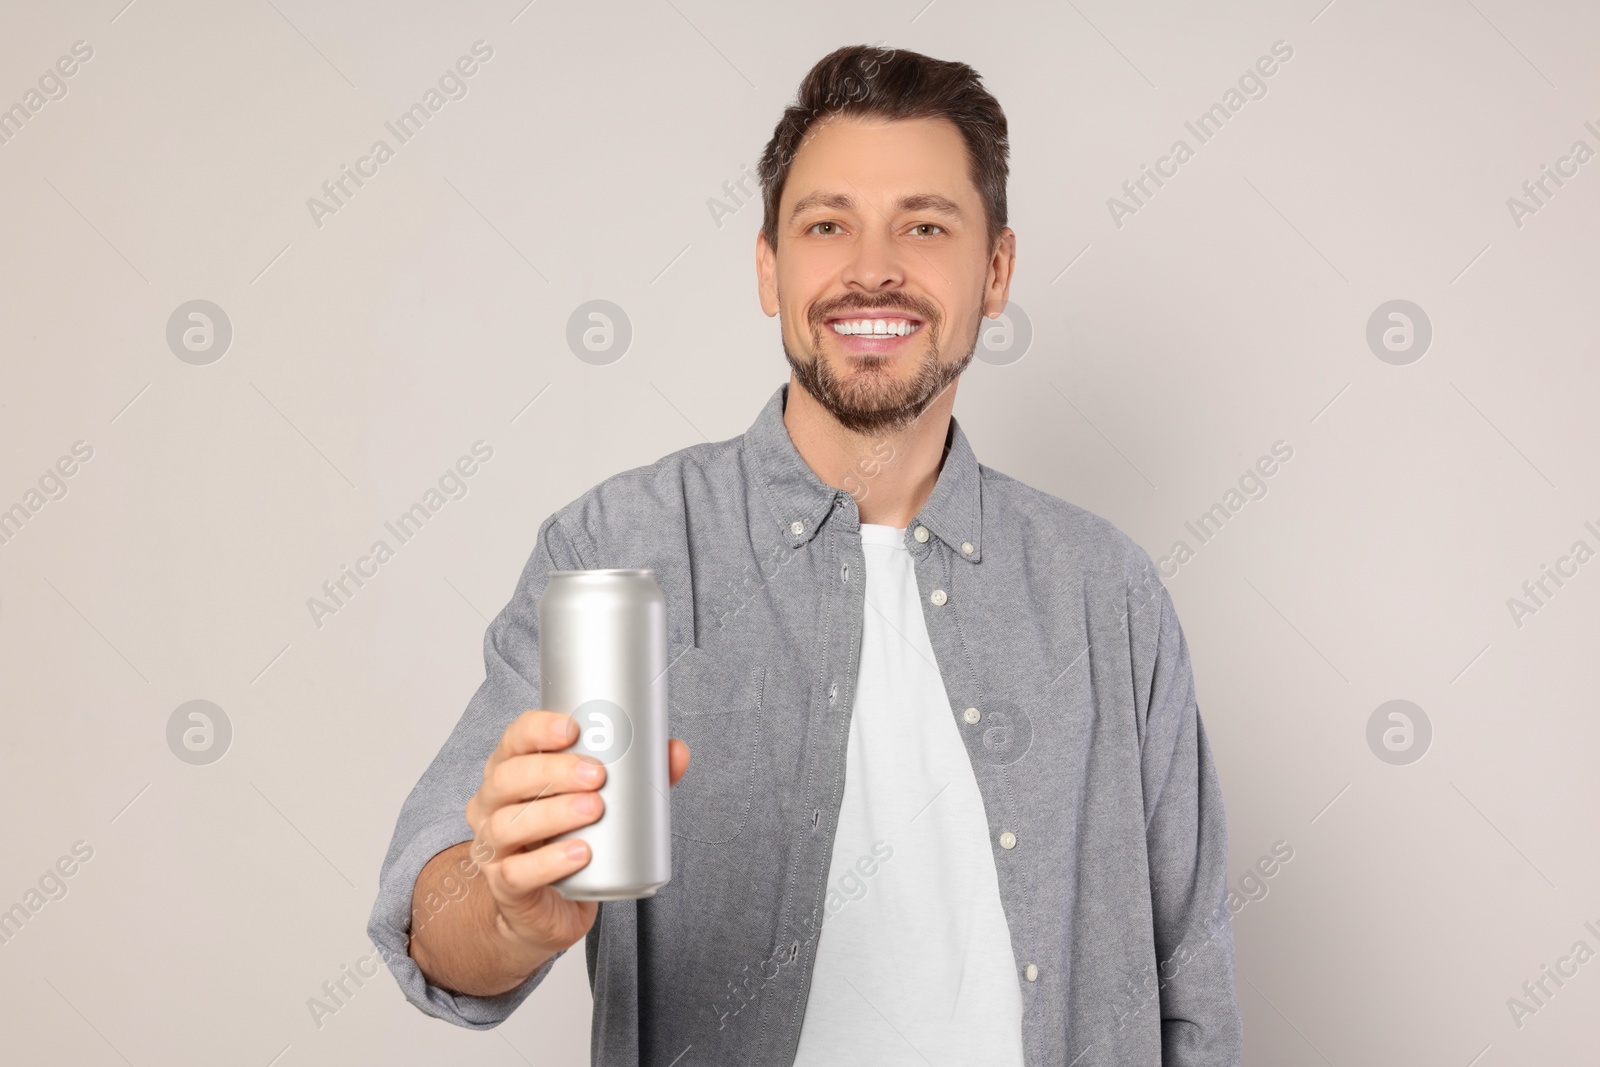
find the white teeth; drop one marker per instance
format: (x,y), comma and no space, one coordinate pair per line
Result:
(876,327)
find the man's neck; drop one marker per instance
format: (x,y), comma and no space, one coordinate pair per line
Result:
(890,477)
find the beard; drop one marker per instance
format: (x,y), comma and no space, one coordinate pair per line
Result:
(867,398)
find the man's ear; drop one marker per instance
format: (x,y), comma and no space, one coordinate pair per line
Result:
(766,275)
(1002,265)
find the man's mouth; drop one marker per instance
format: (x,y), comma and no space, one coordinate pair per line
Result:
(882,326)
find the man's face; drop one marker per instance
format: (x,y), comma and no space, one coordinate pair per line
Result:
(880,223)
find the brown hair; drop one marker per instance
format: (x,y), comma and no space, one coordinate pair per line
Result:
(892,84)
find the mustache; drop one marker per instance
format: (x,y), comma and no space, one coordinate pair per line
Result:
(888,302)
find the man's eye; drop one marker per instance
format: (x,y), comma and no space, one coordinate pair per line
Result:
(928,226)
(816,224)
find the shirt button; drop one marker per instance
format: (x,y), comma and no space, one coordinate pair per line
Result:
(1008,840)
(966,546)
(937,596)
(833,692)
(972,715)
(844,572)
(1032,972)
(797,527)
(920,533)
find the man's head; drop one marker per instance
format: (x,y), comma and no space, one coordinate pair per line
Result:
(884,188)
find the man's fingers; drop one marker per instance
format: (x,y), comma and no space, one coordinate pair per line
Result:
(677,760)
(517,826)
(537,731)
(524,872)
(522,778)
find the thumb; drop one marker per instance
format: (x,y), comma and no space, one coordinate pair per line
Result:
(677,760)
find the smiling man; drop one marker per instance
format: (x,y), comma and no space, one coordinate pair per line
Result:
(951,798)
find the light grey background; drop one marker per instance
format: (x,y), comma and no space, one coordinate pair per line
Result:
(431,311)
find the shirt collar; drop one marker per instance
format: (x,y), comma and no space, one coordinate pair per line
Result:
(800,502)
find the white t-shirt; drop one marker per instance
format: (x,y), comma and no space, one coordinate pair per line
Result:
(914,962)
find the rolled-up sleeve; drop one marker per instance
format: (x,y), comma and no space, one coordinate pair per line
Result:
(1186,834)
(433,817)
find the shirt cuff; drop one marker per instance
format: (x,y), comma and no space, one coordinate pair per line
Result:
(390,931)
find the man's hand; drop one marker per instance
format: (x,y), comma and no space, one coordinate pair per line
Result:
(512,920)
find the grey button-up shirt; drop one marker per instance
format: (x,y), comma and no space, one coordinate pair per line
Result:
(1069,681)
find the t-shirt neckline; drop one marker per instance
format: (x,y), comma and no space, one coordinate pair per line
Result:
(873,533)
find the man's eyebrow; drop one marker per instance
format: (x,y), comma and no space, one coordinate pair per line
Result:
(930,202)
(845,202)
(837,201)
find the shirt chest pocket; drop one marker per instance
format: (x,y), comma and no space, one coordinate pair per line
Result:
(715,706)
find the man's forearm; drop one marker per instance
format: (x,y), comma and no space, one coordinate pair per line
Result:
(456,939)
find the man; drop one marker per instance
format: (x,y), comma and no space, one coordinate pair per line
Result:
(951,799)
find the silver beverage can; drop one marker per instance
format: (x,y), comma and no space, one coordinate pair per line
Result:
(603,660)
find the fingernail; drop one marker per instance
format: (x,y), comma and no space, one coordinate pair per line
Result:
(576,849)
(588,772)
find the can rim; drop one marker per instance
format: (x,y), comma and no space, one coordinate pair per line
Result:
(631,571)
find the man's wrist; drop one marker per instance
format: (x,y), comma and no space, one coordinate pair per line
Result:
(519,958)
